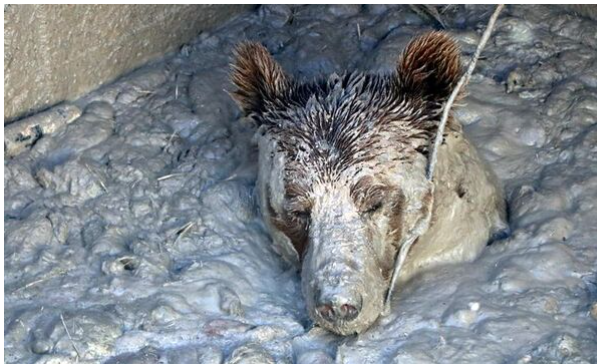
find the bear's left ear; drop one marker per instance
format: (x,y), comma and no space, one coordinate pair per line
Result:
(429,67)
(258,77)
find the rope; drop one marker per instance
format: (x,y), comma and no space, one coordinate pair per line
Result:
(423,222)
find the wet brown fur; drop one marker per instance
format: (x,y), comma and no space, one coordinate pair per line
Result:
(426,72)
(430,66)
(296,228)
(257,76)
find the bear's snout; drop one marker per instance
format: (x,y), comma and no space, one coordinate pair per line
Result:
(335,305)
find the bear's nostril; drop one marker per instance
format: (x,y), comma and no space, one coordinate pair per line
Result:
(339,308)
(348,312)
(327,312)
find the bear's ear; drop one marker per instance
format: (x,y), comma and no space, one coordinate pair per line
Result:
(429,67)
(257,77)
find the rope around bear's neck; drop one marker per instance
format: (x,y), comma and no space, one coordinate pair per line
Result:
(423,223)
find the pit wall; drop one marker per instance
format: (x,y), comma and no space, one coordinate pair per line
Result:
(54,53)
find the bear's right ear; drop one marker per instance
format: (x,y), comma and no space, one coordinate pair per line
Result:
(259,79)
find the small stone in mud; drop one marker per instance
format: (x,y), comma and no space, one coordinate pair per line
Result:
(464,317)
(41,346)
(474,306)
(551,305)
(568,346)
(515,81)
(593,310)
(525,359)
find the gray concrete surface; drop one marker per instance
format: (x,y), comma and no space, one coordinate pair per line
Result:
(54,53)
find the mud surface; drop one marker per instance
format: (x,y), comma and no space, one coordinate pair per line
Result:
(132,234)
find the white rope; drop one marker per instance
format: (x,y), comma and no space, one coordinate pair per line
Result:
(405,246)
(423,222)
(461,83)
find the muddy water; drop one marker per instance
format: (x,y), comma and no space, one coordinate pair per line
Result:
(132,235)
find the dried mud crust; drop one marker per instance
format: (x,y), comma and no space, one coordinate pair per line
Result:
(132,235)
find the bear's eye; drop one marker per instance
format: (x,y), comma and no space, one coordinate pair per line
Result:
(369,195)
(298,210)
(373,207)
(374,204)
(300,218)
(373,200)
(301,215)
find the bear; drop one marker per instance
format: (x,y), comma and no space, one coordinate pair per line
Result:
(342,175)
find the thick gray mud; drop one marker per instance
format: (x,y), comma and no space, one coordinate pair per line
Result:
(132,234)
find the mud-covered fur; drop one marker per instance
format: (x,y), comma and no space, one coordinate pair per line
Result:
(342,173)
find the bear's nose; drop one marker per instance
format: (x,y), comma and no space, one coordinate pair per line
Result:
(339,306)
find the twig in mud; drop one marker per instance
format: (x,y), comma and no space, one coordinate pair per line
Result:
(168,176)
(169,142)
(412,235)
(141,91)
(41,280)
(31,284)
(445,8)
(183,230)
(97,177)
(135,183)
(231,177)
(70,337)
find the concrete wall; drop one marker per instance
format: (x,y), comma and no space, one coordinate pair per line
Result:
(59,52)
